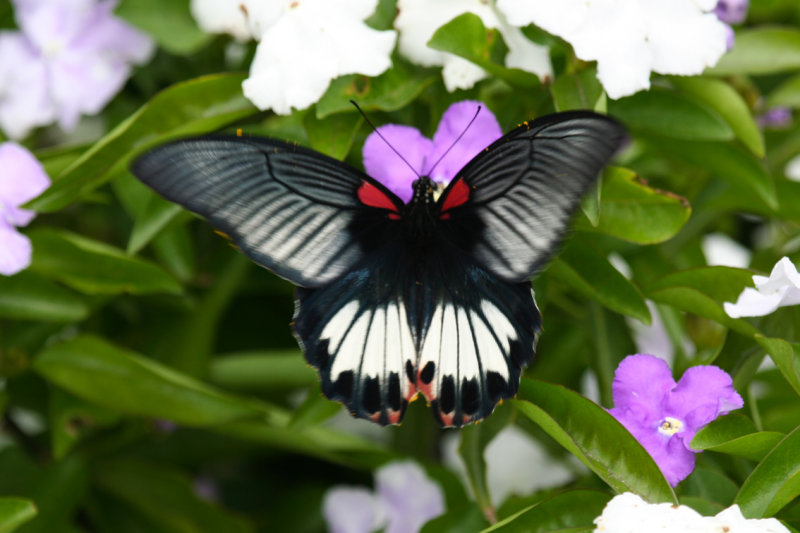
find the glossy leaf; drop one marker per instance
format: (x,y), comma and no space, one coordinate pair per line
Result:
(566,511)
(765,50)
(588,271)
(702,290)
(576,91)
(724,100)
(152,218)
(467,37)
(262,370)
(775,481)
(333,135)
(169,23)
(94,267)
(14,512)
(595,437)
(728,163)
(27,296)
(735,434)
(670,114)
(195,106)
(124,381)
(390,91)
(632,211)
(787,94)
(786,356)
(166,496)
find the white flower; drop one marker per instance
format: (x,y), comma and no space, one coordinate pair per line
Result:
(720,249)
(515,464)
(418,20)
(792,169)
(628,513)
(307,44)
(630,38)
(222,16)
(780,289)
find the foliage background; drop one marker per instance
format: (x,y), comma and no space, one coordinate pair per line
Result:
(145,361)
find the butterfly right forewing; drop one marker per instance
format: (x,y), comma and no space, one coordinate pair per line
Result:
(514,200)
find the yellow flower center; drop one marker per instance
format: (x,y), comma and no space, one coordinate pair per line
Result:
(669,426)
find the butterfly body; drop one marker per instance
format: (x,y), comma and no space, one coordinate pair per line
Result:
(395,299)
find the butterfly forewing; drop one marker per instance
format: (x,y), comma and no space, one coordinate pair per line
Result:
(524,188)
(285,207)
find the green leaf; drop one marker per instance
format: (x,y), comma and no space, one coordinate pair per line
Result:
(735,434)
(632,211)
(576,91)
(588,271)
(765,50)
(57,490)
(14,512)
(775,481)
(262,371)
(467,37)
(595,437)
(314,410)
(670,114)
(334,134)
(571,509)
(392,90)
(93,369)
(787,94)
(195,106)
(94,267)
(786,357)
(726,162)
(154,216)
(72,419)
(28,296)
(170,23)
(702,290)
(724,99)
(166,496)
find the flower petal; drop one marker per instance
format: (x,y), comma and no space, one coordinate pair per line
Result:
(409,498)
(222,16)
(306,48)
(702,394)
(15,250)
(752,302)
(482,132)
(22,176)
(351,510)
(24,101)
(386,166)
(628,513)
(641,383)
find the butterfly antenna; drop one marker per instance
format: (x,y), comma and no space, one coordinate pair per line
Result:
(384,139)
(456,141)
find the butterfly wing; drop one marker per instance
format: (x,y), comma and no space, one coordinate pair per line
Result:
(509,207)
(355,331)
(289,209)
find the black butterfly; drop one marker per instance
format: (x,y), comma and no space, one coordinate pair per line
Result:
(395,299)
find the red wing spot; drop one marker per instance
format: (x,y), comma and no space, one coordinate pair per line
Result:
(457,196)
(374,197)
(394,216)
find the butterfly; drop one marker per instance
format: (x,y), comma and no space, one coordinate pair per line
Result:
(395,299)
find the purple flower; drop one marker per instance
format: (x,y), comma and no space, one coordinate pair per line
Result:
(22,178)
(665,416)
(70,58)
(383,164)
(404,500)
(775,118)
(732,11)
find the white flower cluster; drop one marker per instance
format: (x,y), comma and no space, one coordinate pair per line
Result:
(304,44)
(628,513)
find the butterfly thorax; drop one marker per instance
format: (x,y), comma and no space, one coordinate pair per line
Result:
(420,211)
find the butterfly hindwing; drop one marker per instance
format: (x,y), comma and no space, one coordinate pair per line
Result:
(355,331)
(479,334)
(288,208)
(510,206)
